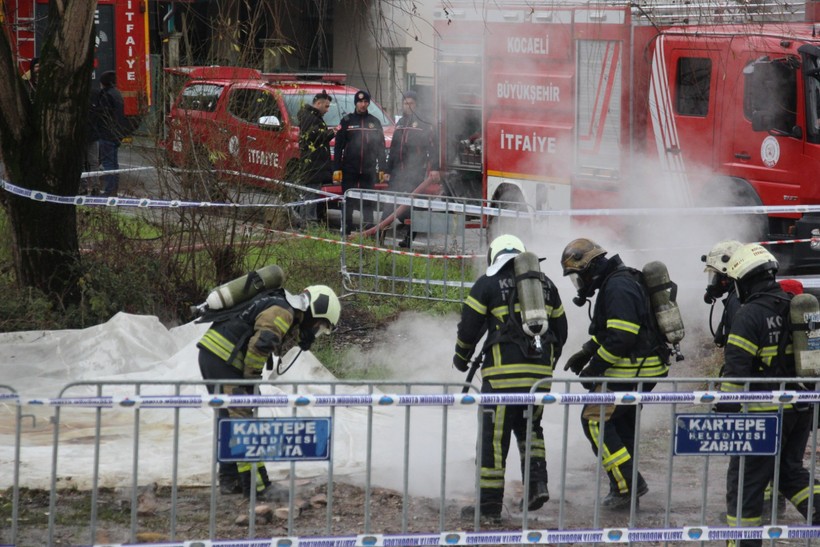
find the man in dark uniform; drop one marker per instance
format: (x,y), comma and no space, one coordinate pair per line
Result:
(413,155)
(315,166)
(511,364)
(358,152)
(238,348)
(759,346)
(625,346)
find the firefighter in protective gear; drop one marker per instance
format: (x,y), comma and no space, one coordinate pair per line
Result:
(238,349)
(719,284)
(625,347)
(759,346)
(510,365)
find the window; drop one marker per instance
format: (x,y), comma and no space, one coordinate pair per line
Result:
(201,97)
(811,70)
(251,105)
(770,94)
(342,104)
(694,83)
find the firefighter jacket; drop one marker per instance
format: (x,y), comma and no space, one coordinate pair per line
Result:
(412,153)
(623,324)
(315,166)
(759,345)
(359,144)
(270,326)
(731,305)
(507,364)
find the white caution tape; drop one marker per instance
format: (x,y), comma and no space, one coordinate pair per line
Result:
(455,400)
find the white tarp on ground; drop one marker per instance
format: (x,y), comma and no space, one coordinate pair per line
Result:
(139,348)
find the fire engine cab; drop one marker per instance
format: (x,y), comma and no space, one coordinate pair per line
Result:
(121,43)
(589,105)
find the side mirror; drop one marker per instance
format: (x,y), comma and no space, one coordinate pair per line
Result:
(269,122)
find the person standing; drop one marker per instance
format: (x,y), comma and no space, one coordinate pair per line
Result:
(110,130)
(625,346)
(719,284)
(413,155)
(759,346)
(315,166)
(358,152)
(511,363)
(238,349)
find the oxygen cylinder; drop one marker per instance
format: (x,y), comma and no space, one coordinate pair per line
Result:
(804,311)
(662,293)
(245,287)
(534,318)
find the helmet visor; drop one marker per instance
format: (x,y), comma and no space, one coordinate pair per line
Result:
(577,280)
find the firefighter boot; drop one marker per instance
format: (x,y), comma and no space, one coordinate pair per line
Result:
(490,515)
(621,500)
(229,482)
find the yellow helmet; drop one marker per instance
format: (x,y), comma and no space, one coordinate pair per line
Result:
(501,250)
(578,255)
(751,259)
(323,303)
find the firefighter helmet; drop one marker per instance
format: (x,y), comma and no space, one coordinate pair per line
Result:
(718,258)
(502,249)
(323,303)
(749,260)
(579,254)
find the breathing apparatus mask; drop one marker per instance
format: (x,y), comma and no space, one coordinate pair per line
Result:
(586,282)
(309,333)
(717,284)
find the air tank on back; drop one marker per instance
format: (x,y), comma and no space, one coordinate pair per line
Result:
(245,287)
(534,318)
(662,293)
(804,312)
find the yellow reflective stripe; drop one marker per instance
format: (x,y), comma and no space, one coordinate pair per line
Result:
(620,324)
(281,323)
(643,367)
(255,361)
(606,355)
(742,343)
(619,478)
(731,520)
(618,458)
(557,312)
(803,495)
(731,386)
(518,368)
(498,434)
(217,344)
(522,384)
(471,302)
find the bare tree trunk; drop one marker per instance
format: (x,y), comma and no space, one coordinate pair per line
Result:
(42,135)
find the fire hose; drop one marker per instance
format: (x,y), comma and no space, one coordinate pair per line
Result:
(420,189)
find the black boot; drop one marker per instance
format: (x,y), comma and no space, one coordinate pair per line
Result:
(229,482)
(539,495)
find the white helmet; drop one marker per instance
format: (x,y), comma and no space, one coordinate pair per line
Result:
(751,259)
(323,303)
(502,250)
(718,258)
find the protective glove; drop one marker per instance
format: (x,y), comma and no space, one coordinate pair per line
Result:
(460,364)
(337,176)
(728,408)
(592,370)
(381,176)
(578,360)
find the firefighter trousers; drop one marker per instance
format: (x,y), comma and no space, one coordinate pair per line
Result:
(499,423)
(618,446)
(213,368)
(759,471)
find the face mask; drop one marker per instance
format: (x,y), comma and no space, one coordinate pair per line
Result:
(308,335)
(718,285)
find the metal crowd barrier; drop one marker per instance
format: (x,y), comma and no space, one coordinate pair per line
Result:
(161,431)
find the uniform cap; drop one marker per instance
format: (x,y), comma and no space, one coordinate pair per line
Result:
(362,95)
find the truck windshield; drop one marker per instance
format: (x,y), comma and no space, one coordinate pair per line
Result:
(342,104)
(811,69)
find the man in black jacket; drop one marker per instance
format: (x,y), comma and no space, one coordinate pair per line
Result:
(756,349)
(359,151)
(626,346)
(413,155)
(111,129)
(512,363)
(315,167)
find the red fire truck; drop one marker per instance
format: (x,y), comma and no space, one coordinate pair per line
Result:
(122,43)
(589,105)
